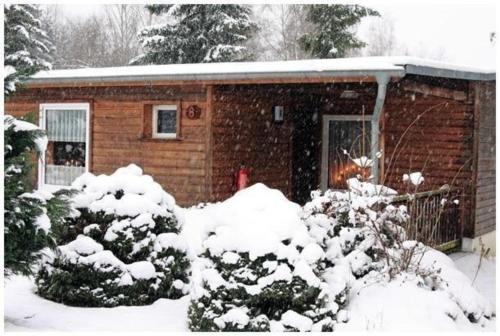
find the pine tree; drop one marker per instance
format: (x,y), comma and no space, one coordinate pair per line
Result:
(32,220)
(332,36)
(198,34)
(27,47)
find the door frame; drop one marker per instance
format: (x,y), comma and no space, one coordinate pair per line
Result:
(325,139)
(42,123)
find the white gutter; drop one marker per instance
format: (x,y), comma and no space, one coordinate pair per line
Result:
(382,81)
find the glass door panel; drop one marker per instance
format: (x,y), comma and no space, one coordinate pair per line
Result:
(352,136)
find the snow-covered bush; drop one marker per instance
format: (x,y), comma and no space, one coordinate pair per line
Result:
(258,269)
(121,248)
(359,228)
(365,245)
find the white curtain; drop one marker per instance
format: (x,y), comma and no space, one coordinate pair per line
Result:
(64,126)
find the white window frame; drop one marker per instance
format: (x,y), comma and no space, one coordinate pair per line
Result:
(42,121)
(157,135)
(326,141)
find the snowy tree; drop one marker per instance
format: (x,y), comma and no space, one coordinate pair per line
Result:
(332,35)
(27,48)
(122,247)
(32,220)
(197,34)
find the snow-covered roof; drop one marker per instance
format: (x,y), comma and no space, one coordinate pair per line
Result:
(340,67)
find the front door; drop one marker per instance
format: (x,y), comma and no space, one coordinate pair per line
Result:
(345,138)
(305,157)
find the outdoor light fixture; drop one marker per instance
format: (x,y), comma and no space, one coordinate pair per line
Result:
(278,114)
(349,94)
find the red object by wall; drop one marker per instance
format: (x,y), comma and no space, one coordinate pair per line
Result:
(241,178)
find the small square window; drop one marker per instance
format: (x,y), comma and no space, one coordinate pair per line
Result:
(165,121)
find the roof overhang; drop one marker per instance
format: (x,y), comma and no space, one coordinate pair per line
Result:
(448,73)
(362,69)
(222,78)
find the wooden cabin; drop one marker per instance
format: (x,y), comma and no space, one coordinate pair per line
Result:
(192,126)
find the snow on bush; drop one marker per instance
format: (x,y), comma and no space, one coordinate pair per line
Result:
(122,247)
(365,248)
(258,269)
(358,229)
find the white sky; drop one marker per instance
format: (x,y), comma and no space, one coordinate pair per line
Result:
(458,33)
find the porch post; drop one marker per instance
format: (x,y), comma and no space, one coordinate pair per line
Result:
(382,81)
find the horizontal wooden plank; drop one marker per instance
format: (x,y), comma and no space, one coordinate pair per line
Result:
(481,195)
(148,147)
(485,216)
(435,91)
(109,168)
(165,145)
(486,181)
(485,174)
(123,129)
(176,189)
(489,188)
(486,204)
(179,180)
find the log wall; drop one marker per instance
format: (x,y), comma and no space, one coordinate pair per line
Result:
(119,132)
(428,126)
(485,207)
(244,131)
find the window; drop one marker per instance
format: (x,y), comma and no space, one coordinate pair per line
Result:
(165,121)
(67,154)
(349,133)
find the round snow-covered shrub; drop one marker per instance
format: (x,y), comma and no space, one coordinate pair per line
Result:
(122,247)
(358,229)
(258,269)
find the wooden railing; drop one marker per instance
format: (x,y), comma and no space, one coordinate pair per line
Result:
(435,217)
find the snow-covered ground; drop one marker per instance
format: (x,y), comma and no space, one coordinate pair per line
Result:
(486,275)
(256,220)
(26,311)
(402,306)
(387,308)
